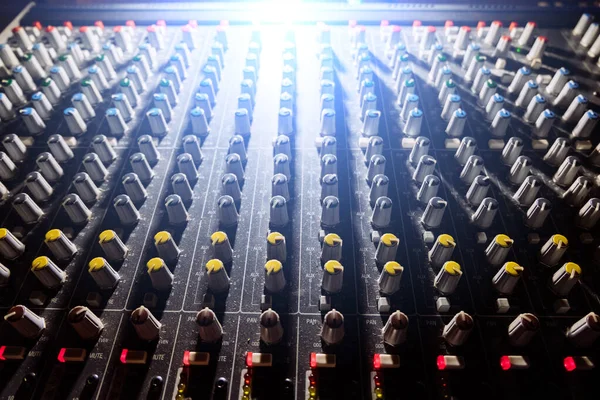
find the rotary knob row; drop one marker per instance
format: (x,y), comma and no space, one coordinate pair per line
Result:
(89,327)
(382,205)
(141,164)
(96,171)
(67,71)
(441,76)
(62,248)
(586,31)
(470,174)
(520,331)
(271,330)
(507,277)
(228,203)
(529,185)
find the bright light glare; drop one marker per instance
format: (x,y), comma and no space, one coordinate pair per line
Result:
(279,11)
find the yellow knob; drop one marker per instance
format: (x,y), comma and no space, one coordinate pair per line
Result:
(96,264)
(332,239)
(513,268)
(52,235)
(273,266)
(389,239)
(446,240)
(162,237)
(3,233)
(40,263)
(107,236)
(452,267)
(275,237)
(333,267)
(504,240)
(572,268)
(393,268)
(155,264)
(560,240)
(214,265)
(218,237)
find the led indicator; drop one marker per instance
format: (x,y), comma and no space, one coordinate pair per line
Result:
(313,360)
(569,363)
(123,357)
(377,380)
(2,349)
(249,359)
(505,363)
(61,355)
(186,358)
(377,361)
(441,363)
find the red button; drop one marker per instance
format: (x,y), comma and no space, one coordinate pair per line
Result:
(441,363)
(505,363)
(569,363)
(377,361)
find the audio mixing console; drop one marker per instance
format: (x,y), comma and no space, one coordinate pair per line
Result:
(357,210)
